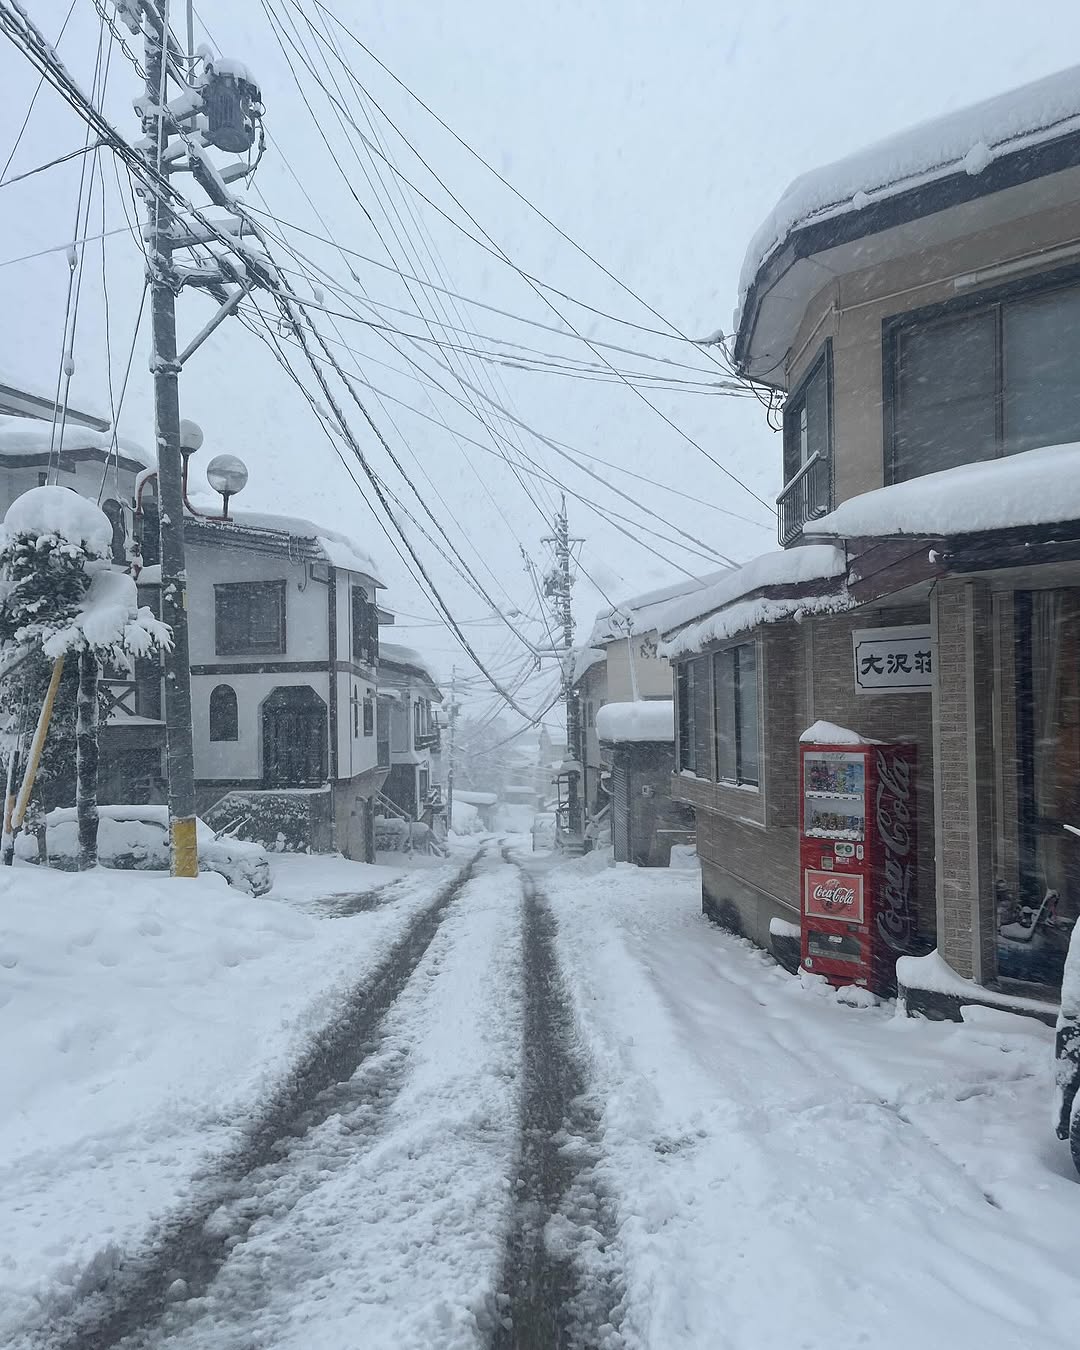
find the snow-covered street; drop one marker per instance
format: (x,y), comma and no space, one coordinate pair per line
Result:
(499,1102)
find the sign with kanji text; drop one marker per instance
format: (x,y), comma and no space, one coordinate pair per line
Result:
(894,660)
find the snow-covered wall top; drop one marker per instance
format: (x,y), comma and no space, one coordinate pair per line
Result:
(1037,487)
(33,436)
(968,139)
(645,720)
(645,613)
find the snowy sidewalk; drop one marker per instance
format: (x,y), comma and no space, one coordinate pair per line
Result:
(794,1173)
(141,1020)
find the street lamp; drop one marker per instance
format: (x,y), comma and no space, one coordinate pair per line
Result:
(228,475)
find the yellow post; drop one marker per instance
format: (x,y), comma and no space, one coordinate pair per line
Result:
(36,747)
(185,850)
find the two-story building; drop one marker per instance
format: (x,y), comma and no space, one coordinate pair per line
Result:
(415,741)
(284,648)
(917,308)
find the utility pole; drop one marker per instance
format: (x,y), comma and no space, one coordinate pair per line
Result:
(450,768)
(222,109)
(559,587)
(165,368)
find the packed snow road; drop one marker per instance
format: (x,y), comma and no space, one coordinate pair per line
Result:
(556,1108)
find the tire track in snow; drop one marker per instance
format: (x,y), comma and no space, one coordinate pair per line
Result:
(562,1284)
(182,1260)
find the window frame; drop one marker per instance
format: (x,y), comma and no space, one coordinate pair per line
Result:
(740,780)
(234,714)
(985,298)
(363,636)
(796,400)
(278,589)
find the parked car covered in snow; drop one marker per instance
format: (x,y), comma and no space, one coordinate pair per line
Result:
(136,838)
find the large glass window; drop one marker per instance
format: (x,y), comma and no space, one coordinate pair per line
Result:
(995,380)
(249,618)
(693,696)
(736,714)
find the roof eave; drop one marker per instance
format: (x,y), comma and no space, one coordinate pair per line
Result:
(1023,165)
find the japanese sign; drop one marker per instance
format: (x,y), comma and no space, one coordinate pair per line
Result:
(893,660)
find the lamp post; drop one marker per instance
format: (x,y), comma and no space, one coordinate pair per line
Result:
(227,475)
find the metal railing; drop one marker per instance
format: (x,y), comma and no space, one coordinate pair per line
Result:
(805,498)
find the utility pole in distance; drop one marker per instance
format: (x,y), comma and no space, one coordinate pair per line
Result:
(165,369)
(453,711)
(558,586)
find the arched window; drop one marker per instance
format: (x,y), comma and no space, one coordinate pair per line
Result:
(224,719)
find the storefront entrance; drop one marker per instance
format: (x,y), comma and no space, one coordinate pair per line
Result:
(1035,922)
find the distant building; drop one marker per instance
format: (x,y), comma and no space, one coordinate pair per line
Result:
(412,693)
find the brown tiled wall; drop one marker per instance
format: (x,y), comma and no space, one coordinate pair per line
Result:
(749,846)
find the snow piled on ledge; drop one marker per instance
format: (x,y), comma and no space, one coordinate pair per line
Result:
(720,611)
(969,140)
(1037,487)
(828,733)
(642,720)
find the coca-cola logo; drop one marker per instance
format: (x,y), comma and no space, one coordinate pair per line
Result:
(893,807)
(834,897)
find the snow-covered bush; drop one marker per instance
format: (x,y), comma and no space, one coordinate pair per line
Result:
(60,596)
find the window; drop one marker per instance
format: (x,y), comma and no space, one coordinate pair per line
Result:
(224,717)
(365,628)
(991,380)
(735,714)
(249,618)
(692,691)
(369,716)
(807,418)
(354,699)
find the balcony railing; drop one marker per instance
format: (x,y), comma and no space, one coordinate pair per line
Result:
(805,498)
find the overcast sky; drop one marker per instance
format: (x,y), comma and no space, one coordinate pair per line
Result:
(657,135)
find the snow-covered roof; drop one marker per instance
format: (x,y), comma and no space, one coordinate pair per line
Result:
(338,549)
(475,798)
(767,589)
(16,398)
(647,613)
(967,140)
(1037,487)
(393,654)
(584,660)
(642,720)
(33,436)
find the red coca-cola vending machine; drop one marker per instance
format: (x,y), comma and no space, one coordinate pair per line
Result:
(857,859)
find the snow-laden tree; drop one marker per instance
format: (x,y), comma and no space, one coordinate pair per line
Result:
(60,596)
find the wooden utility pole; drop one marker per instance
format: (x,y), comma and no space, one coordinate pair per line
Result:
(165,368)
